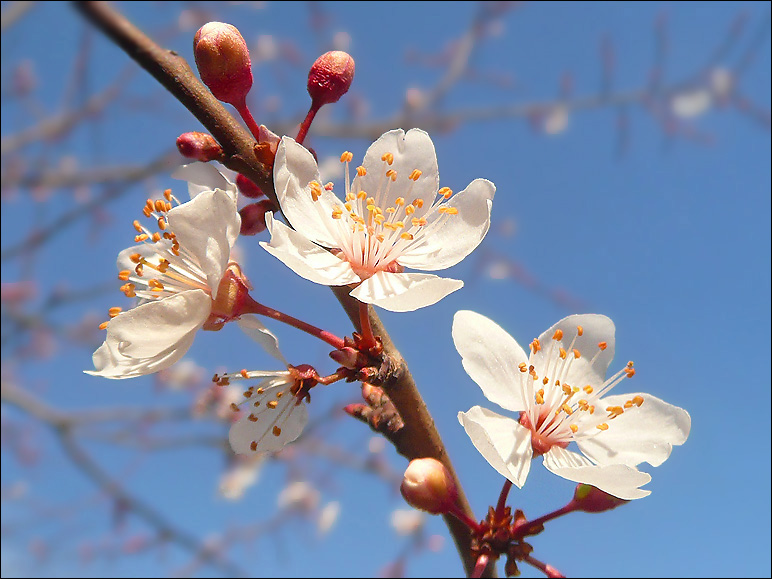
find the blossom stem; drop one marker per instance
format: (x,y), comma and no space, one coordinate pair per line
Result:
(341,374)
(503,498)
(479,567)
(243,110)
(364,322)
(548,570)
(461,516)
(306,124)
(538,522)
(254,307)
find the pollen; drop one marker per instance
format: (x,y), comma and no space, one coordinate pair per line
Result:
(253,446)
(168,194)
(391,174)
(244,373)
(589,389)
(535,345)
(558,335)
(114,311)
(579,330)
(614,411)
(446,192)
(124,274)
(141,237)
(252,418)
(577,354)
(562,353)
(388,157)
(414,175)
(103,325)
(272,404)
(602,426)
(346,157)
(234,407)
(602,345)
(128,290)
(276,431)
(574,428)
(138,226)
(630,372)
(361,171)
(638,400)
(523,367)
(540,396)
(418,203)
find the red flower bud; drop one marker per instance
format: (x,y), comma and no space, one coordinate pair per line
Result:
(199,146)
(589,499)
(253,216)
(222,58)
(427,485)
(330,77)
(248,188)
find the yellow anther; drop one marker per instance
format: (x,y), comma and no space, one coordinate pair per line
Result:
(567,409)
(141,237)
(379,219)
(558,335)
(577,354)
(350,196)
(346,157)
(574,389)
(244,374)
(272,404)
(128,290)
(399,224)
(406,236)
(400,201)
(149,204)
(337,213)
(446,192)
(388,157)
(114,311)
(168,206)
(348,207)
(361,171)
(234,407)
(588,389)
(252,418)
(372,208)
(168,194)
(630,372)
(156,237)
(409,210)
(159,205)
(583,404)
(253,446)
(535,347)
(146,211)
(545,381)
(566,389)
(418,221)
(615,411)
(316,190)
(362,195)
(391,174)
(391,210)
(603,426)
(418,203)
(137,226)
(163,265)
(380,237)
(103,325)
(574,428)
(563,353)
(579,330)
(260,390)
(139,269)
(523,367)
(276,431)
(155,285)
(592,409)
(540,396)
(638,400)
(602,345)
(449,210)
(415,175)
(162,224)
(124,274)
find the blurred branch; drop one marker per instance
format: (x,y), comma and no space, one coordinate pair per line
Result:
(13,13)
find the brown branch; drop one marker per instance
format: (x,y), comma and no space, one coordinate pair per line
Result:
(420,437)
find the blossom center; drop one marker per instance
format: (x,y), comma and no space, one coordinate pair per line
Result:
(373,229)
(558,411)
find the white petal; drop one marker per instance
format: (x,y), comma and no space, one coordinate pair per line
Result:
(255,329)
(645,433)
(207,226)
(460,234)
(294,168)
(204,177)
(304,257)
(404,292)
(619,480)
(288,416)
(503,442)
(491,357)
(596,328)
(152,336)
(411,150)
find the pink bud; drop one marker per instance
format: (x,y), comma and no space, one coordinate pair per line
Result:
(253,216)
(199,146)
(248,188)
(589,499)
(223,61)
(330,77)
(427,485)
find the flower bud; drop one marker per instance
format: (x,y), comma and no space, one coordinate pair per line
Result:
(248,188)
(253,217)
(427,485)
(199,146)
(330,77)
(589,499)
(222,58)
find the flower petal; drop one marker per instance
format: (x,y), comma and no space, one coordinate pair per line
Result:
(152,336)
(304,257)
(491,357)
(205,177)
(617,479)
(294,168)
(459,235)
(276,424)
(404,292)
(596,328)
(411,150)
(640,434)
(207,226)
(255,329)
(503,442)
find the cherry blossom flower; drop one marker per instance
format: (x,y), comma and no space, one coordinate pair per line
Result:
(394,215)
(273,412)
(561,393)
(182,274)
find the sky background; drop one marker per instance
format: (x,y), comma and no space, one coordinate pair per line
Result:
(670,238)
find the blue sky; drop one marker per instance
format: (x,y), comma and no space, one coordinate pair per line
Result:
(671,240)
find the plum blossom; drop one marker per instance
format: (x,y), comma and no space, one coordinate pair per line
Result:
(561,394)
(182,274)
(394,215)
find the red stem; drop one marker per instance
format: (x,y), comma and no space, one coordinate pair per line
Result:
(503,498)
(253,307)
(243,110)
(306,124)
(464,518)
(479,567)
(368,338)
(525,527)
(548,570)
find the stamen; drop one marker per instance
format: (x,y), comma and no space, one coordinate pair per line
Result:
(388,157)
(276,431)
(602,345)
(114,311)
(603,426)
(346,157)
(446,192)
(415,175)
(558,335)
(579,330)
